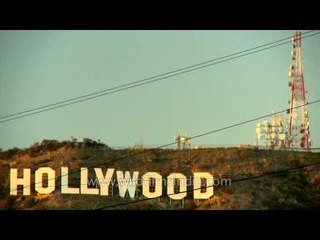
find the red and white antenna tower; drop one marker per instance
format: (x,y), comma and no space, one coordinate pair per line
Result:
(298,132)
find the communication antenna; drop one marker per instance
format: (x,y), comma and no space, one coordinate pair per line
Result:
(298,135)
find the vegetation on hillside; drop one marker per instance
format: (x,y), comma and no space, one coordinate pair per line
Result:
(284,190)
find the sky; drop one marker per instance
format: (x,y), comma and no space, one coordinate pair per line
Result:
(43,67)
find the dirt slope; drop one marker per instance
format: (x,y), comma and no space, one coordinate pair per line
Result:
(294,189)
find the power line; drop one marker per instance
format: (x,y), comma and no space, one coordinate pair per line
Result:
(233,181)
(145,81)
(277,172)
(173,143)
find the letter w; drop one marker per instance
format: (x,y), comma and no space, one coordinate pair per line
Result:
(127,183)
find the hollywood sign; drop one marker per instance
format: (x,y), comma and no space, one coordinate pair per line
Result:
(126,183)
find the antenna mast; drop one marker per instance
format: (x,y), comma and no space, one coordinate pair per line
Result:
(298,131)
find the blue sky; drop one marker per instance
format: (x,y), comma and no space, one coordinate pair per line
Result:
(43,67)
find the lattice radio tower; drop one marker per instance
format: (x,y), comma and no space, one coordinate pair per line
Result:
(298,131)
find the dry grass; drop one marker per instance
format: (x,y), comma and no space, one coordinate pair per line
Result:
(287,191)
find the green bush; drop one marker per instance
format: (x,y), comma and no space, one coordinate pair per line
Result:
(51,145)
(9,153)
(35,151)
(44,160)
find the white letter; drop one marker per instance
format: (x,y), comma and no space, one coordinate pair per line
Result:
(146,185)
(127,183)
(65,184)
(24,181)
(182,186)
(51,180)
(104,181)
(197,194)
(84,183)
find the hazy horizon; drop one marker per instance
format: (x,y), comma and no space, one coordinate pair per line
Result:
(43,67)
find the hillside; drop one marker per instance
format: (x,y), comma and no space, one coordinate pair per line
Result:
(274,189)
